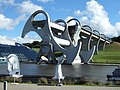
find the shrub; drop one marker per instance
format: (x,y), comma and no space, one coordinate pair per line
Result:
(42,81)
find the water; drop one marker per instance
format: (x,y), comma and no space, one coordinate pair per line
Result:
(91,72)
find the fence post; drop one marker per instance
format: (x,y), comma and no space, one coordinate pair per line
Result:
(5,85)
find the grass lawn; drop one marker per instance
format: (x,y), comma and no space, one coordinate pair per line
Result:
(111,54)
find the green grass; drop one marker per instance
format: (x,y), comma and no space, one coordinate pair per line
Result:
(111,54)
(36,49)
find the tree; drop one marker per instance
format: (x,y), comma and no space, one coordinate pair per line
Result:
(116,39)
(34,44)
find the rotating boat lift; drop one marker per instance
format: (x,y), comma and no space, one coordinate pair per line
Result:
(78,43)
(55,37)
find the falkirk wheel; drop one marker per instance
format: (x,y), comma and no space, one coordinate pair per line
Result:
(77,43)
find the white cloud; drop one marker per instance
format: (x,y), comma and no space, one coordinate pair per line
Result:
(117,26)
(27,7)
(11,41)
(68,18)
(98,19)
(8,23)
(6,40)
(11,2)
(80,13)
(84,20)
(45,1)
(27,39)
(19,19)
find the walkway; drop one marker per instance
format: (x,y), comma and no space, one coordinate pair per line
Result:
(39,87)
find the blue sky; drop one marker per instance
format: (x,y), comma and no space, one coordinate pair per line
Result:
(102,15)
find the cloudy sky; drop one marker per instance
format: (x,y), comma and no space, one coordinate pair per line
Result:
(102,15)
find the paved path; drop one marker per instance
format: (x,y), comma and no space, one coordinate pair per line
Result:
(39,87)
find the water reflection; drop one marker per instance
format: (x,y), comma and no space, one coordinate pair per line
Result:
(92,72)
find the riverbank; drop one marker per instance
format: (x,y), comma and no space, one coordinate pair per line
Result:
(64,87)
(49,81)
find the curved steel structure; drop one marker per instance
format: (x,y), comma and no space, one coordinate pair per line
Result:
(53,40)
(78,43)
(95,40)
(87,52)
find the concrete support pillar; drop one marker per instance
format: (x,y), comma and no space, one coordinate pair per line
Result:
(95,42)
(102,45)
(102,42)
(85,38)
